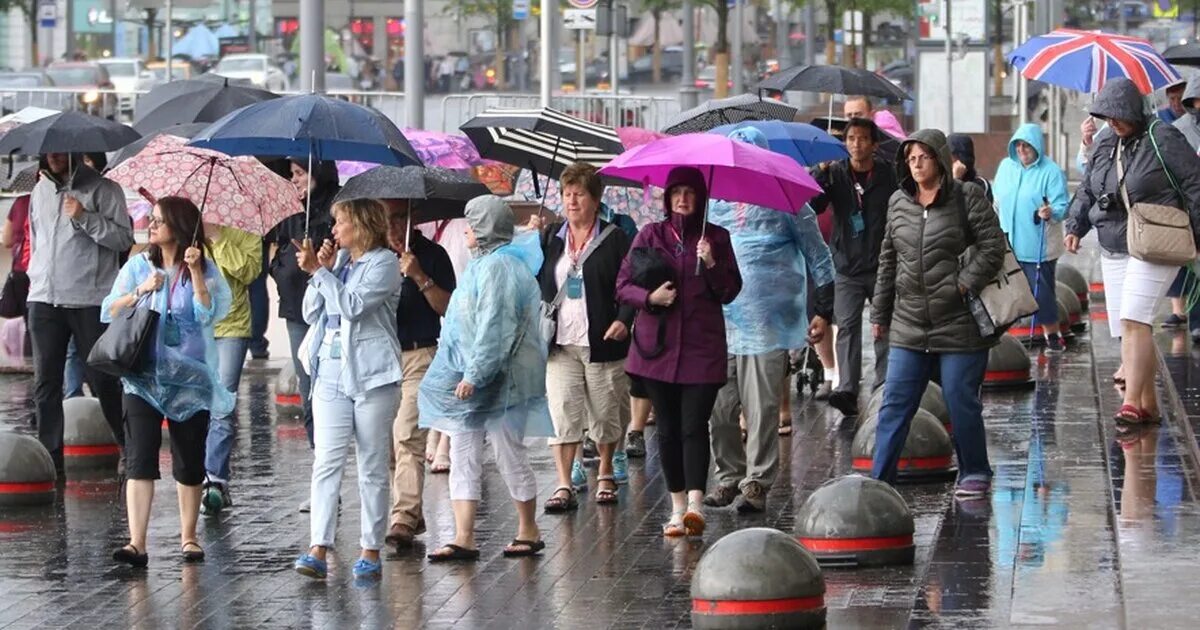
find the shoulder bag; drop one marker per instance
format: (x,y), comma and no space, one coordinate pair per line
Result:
(125,347)
(1157,233)
(1007,297)
(548,321)
(16,290)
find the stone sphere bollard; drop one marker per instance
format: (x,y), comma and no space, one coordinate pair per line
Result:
(1066,297)
(287,387)
(758,578)
(1008,364)
(856,521)
(26,471)
(928,453)
(932,401)
(1071,277)
(88,441)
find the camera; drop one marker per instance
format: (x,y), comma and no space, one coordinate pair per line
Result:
(1109,202)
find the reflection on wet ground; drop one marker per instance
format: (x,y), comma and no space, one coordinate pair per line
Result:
(1086,528)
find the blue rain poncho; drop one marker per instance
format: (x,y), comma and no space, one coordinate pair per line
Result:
(491,336)
(776,251)
(183,380)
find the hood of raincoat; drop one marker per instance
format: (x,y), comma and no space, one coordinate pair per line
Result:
(887,122)
(1031,134)
(936,141)
(689,176)
(1190,94)
(492,221)
(1190,124)
(1021,190)
(1119,99)
(751,135)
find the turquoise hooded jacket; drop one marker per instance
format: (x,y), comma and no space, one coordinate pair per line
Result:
(1019,192)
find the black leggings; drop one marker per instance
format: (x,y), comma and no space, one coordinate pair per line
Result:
(681,413)
(143,438)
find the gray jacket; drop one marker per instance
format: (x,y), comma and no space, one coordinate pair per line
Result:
(73,262)
(1145,180)
(1189,123)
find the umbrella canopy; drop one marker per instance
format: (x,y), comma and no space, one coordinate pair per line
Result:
(736,171)
(193,101)
(67,132)
(239,192)
(725,111)
(438,193)
(197,43)
(544,140)
(185,131)
(802,142)
(434,148)
(833,80)
(24,181)
(1183,54)
(310,124)
(1085,60)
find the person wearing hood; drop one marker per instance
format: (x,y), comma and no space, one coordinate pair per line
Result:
(1031,197)
(962,148)
(1174,109)
(680,353)
(919,304)
(488,377)
(858,190)
(776,252)
(79,230)
(316,193)
(1189,124)
(1159,167)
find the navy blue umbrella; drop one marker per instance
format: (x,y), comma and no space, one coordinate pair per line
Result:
(805,143)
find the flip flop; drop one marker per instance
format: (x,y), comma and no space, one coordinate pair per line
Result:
(457,554)
(531,548)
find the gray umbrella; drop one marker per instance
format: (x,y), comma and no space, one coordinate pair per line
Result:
(833,80)
(725,111)
(436,193)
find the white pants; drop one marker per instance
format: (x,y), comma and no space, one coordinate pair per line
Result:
(1132,289)
(512,458)
(337,420)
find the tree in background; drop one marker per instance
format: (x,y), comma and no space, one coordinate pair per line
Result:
(721,48)
(656,9)
(29,9)
(499,12)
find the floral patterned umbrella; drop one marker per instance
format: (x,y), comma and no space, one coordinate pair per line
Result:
(238,192)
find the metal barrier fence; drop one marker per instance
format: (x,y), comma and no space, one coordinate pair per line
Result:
(621,110)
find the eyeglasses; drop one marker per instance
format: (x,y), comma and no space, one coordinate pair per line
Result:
(914,160)
(154,221)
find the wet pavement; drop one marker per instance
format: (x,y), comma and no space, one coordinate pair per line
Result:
(1085,528)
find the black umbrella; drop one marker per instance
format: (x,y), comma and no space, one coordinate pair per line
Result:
(194,101)
(187,130)
(435,193)
(833,80)
(1183,55)
(68,132)
(726,111)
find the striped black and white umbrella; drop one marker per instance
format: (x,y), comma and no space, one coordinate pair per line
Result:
(544,140)
(727,111)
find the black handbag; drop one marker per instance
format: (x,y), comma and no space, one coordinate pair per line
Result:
(649,269)
(125,347)
(15,292)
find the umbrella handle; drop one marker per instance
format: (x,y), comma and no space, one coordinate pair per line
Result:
(308,193)
(553,158)
(704,223)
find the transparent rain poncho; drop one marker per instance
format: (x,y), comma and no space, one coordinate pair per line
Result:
(491,338)
(183,380)
(775,252)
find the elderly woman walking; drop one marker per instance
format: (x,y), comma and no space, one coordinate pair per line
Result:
(1142,161)
(919,303)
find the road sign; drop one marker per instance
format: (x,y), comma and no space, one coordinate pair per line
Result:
(583,4)
(520,9)
(47,13)
(579,19)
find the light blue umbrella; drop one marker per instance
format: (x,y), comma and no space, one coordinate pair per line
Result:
(197,43)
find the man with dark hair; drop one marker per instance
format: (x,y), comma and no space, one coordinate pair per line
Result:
(857,189)
(962,148)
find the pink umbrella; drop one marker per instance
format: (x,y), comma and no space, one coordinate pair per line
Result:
(238,192)
(636,136)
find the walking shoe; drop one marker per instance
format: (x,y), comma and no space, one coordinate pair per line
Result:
(754,498)
(589,449)
(845,402)
(578,475)
(620,468)
(1055,344)
(635,444)
(214,497)
(972,488)
(309,566)
(1175,321)
(823,391)
(305,506)
(721,496)
(364,569)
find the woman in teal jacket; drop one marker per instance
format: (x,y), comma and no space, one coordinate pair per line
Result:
(1031,198)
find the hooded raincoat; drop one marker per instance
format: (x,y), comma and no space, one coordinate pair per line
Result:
(184,380)
(1021,190)
(1189,123)
(491,336)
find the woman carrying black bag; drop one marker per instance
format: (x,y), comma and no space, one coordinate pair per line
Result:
(175,279)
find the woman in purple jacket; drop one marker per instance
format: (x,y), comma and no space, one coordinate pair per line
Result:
(684,375)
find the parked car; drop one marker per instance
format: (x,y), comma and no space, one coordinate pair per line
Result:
(180,70)
(25,95)
(259,69)
(641,70)
(129,78)
(706,78)
(91,80)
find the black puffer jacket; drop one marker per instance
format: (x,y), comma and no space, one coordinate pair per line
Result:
(1145,179)
(917,289)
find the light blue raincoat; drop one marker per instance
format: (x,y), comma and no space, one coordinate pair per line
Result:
(491,336)
(1019,191)
(184,380)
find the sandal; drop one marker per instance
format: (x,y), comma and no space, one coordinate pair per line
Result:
(606,496)
(456,554)
(132,556)
(1129,414)
(693,522)
(440,465)
(192,556)
(674,527)
(558,504)
(530,548)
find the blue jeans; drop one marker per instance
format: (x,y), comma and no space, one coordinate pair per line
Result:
(73,373)
(296,332)
(907,376)
(231,355)
(1043,285)
(260,308)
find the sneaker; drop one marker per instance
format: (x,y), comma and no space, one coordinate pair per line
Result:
(1055,344)
(635,444)
(305,507)
(214,497)
(972,488)
(823,391)
(1175,321)
(754,498)
(365,569)
(578,475)
(620,468)
(589,449)
(721,496)
(845,402)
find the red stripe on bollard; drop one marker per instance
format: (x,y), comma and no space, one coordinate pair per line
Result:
(856,544)
(908,463)
(757,606)
(1005,375)
(26,487)
(1021,332)
(288,399)
(1096,287)
(90,450)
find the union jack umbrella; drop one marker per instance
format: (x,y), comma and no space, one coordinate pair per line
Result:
(1084,60)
